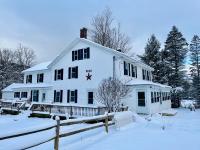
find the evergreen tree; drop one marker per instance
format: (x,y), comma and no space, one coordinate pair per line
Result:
(195,69)
(152,56)
(175,53)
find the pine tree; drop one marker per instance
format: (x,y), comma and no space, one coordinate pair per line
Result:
(195,69)
(175,53)
(176,50)
(152,56)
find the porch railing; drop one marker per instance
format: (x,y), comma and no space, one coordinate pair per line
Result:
(72,111)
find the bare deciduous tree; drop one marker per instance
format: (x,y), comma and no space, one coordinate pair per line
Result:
(24,55)
(111,92)
(106,34)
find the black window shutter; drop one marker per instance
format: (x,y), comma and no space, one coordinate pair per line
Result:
(88,52)
(55,75)
(129,69)
(42,77)
(68,95)
(37,78)
(61,74)
(31,78)
(61,95)
(69,73)
(31,95)
(76,96)
(76,71)
(54,95)
(72,55)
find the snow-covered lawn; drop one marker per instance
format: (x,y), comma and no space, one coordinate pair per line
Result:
(181,132)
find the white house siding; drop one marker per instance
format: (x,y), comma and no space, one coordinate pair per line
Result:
(7,95)
(100,70)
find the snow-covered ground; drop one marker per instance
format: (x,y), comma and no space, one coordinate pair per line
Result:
(180,132)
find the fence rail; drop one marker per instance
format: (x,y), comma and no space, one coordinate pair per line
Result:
(102,119)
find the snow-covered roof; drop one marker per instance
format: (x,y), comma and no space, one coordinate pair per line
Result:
(113,51)
(38,67)
(13,86)
(145,82)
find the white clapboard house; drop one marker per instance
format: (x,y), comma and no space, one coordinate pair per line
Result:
(70,80)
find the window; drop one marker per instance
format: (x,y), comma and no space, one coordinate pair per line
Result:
(17,95)
(58,96)
(146,75)
(141,99)
(29,79)
(155,100)
(152,97)
(134,71)
(58,74)
(40,78)
(43,96)
(90,98)
(23,94)
(87,53)
(72,96)
(158,96)
(73,72)
(125,68)
(81,54)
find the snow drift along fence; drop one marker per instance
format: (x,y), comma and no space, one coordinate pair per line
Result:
(103,118)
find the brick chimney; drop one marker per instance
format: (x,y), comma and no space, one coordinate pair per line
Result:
(83,33)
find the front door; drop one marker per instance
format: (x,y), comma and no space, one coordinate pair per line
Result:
(35,95)
(141,99)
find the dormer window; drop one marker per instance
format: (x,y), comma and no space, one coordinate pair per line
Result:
(29,79)
(58,74)
(40,78)
(81,54)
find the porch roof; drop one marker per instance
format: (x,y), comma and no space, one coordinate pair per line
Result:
(144,82)
(13,86)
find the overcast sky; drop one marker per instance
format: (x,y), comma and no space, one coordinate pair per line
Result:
(48,26)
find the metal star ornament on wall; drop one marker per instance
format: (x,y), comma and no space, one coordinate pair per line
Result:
(89,76)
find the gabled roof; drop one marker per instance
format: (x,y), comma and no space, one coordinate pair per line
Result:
(115,52)
(38,67)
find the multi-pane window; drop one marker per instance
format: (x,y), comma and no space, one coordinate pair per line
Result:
(58,96)
(40,78)
(130,69)
(23,94)
(146,75)
(81,54)
(17,95)
(72,96)
(58,74)
(87,53)
(134,71)
(29,79)
(90,97)
(73,72)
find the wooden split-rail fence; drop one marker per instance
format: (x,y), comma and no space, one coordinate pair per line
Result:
(102,120)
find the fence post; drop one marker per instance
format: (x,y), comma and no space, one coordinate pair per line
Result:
(56,141)
(106,123)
